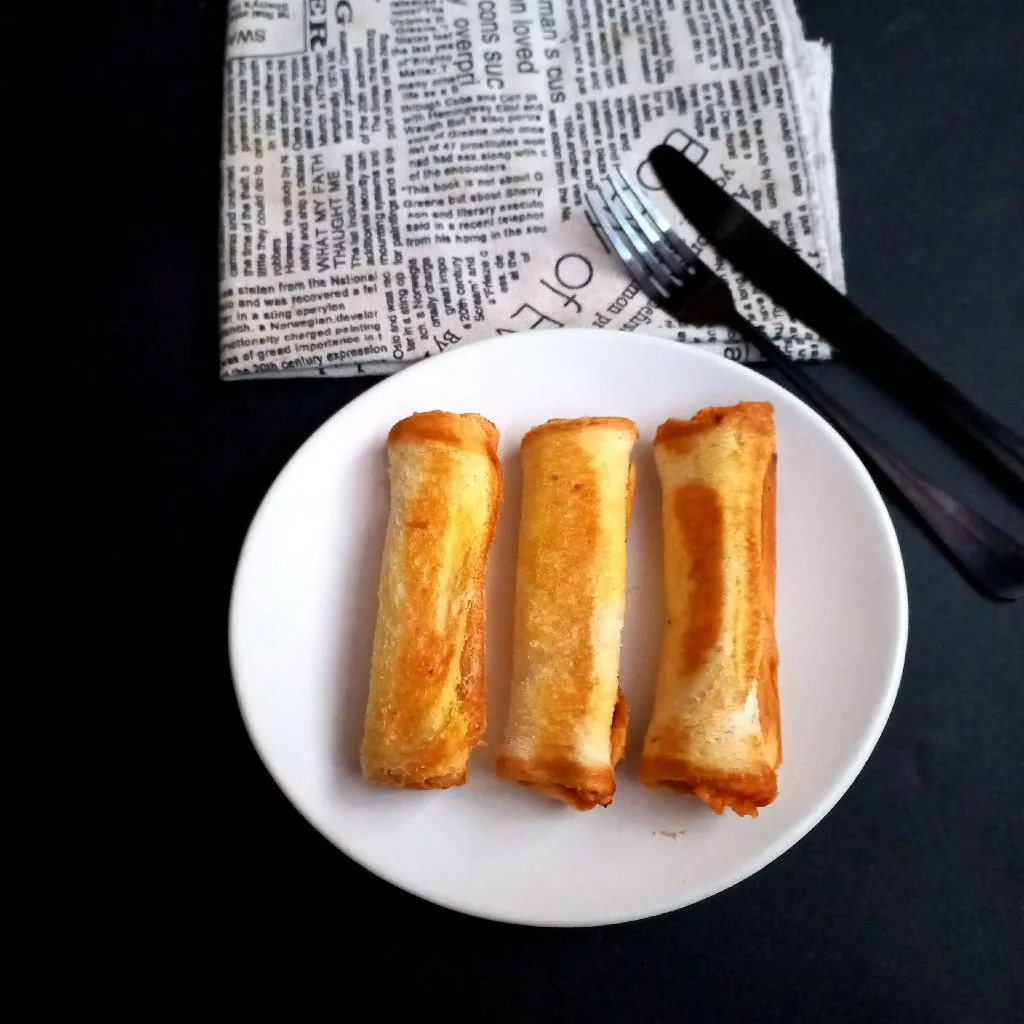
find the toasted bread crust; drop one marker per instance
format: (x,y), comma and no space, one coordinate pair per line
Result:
(741,792)
(466,432)
(757,418)
(567,719)
(715,731)
(426,708)
(582,788)
(575,427)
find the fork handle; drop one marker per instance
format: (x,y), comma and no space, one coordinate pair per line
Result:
(909,378)
(986,555)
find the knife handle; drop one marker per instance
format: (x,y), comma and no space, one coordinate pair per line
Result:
(986,556)
(780,271)
(871,348)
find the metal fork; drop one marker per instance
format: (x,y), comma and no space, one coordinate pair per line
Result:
(675,277)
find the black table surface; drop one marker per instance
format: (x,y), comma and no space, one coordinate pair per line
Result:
(175,862)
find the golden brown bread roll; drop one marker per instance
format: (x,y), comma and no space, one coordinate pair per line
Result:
(715,731)
(567,720)
(426,709)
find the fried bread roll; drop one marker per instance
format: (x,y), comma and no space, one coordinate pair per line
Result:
(715,728)
(567,720)
(426,709)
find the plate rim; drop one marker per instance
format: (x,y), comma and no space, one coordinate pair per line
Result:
(840,784)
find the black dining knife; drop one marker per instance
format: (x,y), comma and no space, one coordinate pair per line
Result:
(778,270)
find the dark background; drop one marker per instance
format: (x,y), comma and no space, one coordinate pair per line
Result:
(173,868)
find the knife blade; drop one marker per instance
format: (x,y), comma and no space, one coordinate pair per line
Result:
(771,265)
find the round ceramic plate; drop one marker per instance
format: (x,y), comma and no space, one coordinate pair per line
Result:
(304,605)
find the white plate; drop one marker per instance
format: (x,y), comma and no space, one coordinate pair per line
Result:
(304,603)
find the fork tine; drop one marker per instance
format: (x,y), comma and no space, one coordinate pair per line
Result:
(610,227)
(682,257)
(648,219)
(614,239)
(624,192)
(604,222)
(652,212)
(658,268)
